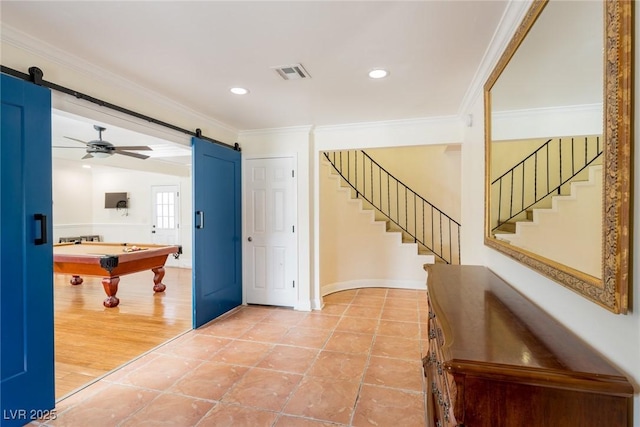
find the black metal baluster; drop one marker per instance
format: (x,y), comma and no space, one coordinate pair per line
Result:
(356,159)
(432,231)
(423,222)
(371,163)
(523,179)
(511,196)
(586,150)
(535,179)
(415,219)
(380,186)
(388,195)
(500,201)
(348,166)
(573,156)
(406,208)
(548,171)
(397,202)
(560,168)
(441,251)
(450,253)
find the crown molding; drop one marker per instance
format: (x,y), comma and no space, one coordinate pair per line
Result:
(48,52)
(271,131)
(509,23)
(545,111)
(425,121)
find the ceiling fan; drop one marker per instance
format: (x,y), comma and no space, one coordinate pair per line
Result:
(100,148)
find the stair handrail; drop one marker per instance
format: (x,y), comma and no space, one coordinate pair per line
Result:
(439,252)
(555,189)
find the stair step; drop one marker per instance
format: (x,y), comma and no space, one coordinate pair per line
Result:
(390,225)
(510,226)
(506,227)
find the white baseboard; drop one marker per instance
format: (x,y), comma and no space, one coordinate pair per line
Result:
(317,304)
(372,283)
(303,306)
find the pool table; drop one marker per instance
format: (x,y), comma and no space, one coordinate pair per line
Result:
(110,261)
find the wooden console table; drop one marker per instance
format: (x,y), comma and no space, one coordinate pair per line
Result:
(497,360)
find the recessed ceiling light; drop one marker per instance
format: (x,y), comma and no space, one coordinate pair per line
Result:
(239,90)
(86,166)
(378,73)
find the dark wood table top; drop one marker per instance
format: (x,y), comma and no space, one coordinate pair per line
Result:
(491,329)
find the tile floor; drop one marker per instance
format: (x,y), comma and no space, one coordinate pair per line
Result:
(357,362)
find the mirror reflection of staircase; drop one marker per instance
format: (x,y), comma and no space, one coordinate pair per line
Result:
(549,203)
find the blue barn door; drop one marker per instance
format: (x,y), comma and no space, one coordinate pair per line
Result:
(27,387)
(217,262)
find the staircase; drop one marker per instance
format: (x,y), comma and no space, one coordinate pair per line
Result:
(402,211)
(390,226)
(356,250)
(570,220)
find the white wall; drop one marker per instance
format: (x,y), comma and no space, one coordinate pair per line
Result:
(432,171)
(547,122)
(79,204)
(72,200)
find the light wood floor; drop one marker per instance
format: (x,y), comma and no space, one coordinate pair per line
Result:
(91,340)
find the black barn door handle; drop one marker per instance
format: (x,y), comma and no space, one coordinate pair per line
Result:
(200,223)
(43,228)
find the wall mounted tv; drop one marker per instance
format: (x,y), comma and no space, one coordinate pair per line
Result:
(116,201)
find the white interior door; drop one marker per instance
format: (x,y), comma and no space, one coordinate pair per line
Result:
(270,270)
(166,214)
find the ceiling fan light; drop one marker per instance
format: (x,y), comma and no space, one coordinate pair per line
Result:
(100,155)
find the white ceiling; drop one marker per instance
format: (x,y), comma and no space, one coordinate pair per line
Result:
(65,125)
(193,51)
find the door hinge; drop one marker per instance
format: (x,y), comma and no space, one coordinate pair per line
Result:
(293,174)
(293,228)
(294,283)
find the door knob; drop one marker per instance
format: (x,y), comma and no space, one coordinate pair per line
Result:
(249,239)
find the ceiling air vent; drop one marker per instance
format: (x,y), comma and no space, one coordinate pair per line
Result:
(292,72)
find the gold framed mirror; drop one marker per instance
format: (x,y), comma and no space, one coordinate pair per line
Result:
(558,147)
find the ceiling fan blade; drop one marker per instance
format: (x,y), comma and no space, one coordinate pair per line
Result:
(76,139)
(74,148)
(134,148)
(87,156)
(127,153)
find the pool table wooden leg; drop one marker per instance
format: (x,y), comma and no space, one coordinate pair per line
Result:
(158,286)
(76,280)
(110,285)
